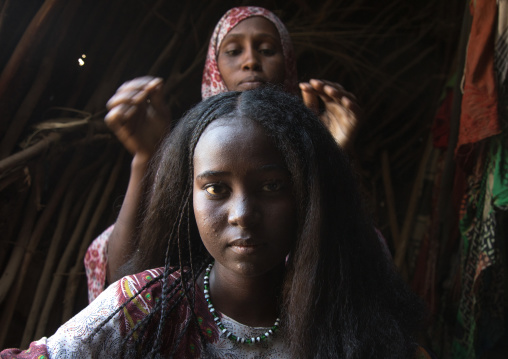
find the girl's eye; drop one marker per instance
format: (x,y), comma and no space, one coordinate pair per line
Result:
(215,190)
(267,51)
(272,187)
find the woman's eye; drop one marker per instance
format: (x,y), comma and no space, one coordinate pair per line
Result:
(232,52)
(272,187)
(215,190)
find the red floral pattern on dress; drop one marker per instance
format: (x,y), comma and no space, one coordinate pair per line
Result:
(37,350)
(212,83)
(95,261)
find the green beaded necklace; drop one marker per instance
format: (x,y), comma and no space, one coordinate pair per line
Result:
(223,329)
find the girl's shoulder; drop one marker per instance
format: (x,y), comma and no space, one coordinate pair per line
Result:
(146,281)
(99,329)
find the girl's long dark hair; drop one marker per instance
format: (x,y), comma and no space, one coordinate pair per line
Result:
(342,297)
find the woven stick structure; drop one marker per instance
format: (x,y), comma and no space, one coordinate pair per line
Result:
(63,174)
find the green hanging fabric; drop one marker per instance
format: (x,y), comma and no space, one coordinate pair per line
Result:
(482,311)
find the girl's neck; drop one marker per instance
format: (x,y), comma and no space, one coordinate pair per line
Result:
(252,301)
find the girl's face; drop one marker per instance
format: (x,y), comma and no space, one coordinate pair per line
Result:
(242,198)
(251,55)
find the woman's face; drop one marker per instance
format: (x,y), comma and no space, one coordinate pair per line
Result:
(251,55)
(242,198)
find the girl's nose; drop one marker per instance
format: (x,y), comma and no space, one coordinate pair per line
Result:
(250,60)
(243,212)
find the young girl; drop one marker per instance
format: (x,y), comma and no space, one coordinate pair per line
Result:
(250,47)
(254,213)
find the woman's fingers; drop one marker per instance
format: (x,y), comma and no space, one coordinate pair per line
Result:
(135,91)
(156,98)
(138,114)
(341,112)
(123,115)
(332,91)
(310,97)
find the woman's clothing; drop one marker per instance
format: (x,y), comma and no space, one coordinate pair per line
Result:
(96,260)
(212,83)
(74,339)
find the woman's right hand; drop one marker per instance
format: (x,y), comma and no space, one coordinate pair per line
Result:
(139,116)
(341,113)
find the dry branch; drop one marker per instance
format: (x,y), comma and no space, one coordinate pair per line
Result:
(18,213)
(20,158)
(20,175)
(3,11)
(37,233)
(69,250)
(117,65)
(35,32)
(400,252)
(51,257)
(73,279)
(38,86)
(11,270)
(390,198)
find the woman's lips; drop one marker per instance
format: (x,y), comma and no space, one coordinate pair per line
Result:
(250,83)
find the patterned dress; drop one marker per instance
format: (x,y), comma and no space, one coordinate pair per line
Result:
(90,335)
(76,338)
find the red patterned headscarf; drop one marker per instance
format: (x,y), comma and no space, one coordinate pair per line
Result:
(212,83)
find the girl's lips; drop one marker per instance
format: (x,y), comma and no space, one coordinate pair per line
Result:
(245,249)
(245,246)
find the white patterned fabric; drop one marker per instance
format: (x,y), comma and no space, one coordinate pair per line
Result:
(76,338)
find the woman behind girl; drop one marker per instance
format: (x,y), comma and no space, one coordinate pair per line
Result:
(254,212)
(250,47)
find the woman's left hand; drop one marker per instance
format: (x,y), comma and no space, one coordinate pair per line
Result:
(341,110)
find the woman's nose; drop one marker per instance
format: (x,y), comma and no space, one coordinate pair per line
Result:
(243,211)
(251,60)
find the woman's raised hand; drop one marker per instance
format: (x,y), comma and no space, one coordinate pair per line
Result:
(341,111)
(139,116)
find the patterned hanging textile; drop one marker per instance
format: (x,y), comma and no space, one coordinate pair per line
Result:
(483,308)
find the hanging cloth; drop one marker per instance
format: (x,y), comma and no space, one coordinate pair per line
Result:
(479,115)
(483,308)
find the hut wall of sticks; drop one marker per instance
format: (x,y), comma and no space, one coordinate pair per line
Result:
(63,174)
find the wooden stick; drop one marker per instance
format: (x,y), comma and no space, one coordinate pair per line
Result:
(168,50)
(3,11)
(69,250)
(21,157)
(117,65)
(390,198)
(73,279)
(38,87)
(400,251)
(18,212)
(10,272)
(20,175)
(40,24)
(51,257)
(37,233)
